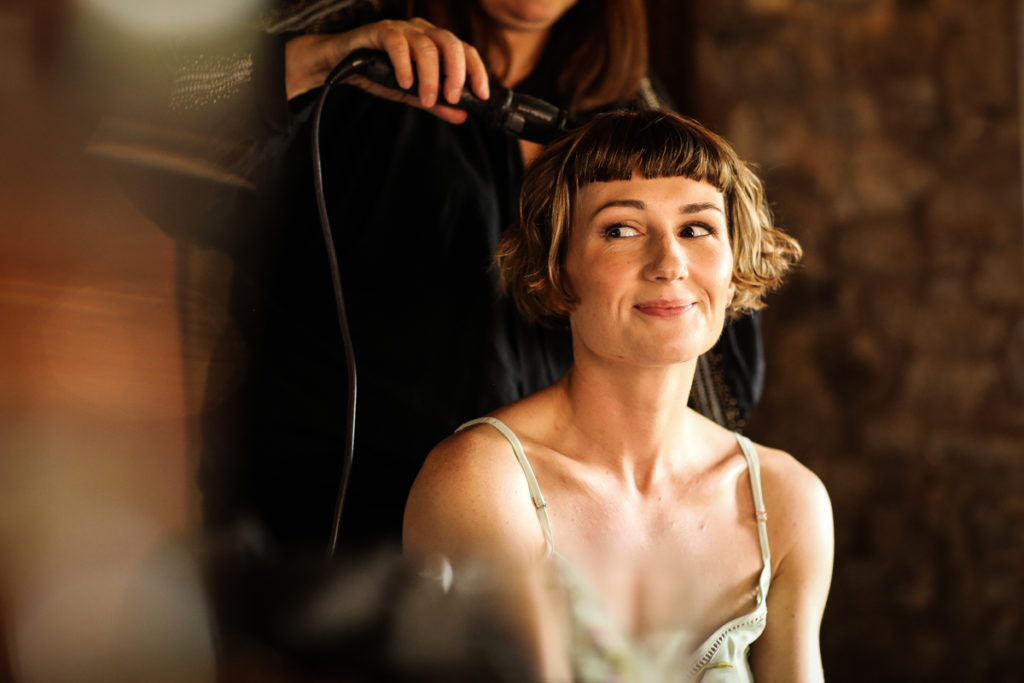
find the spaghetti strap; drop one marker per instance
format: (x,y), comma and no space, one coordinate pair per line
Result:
(754,467)
(531,479)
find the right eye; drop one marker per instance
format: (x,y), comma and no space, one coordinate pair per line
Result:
(620,230)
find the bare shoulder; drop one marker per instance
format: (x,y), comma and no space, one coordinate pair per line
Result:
(800,533)
(785,475)
(471,499)
(473,456)
(798,506)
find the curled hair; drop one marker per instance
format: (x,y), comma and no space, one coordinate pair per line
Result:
(531,255)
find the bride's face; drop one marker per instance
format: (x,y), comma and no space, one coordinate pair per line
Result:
(652,267)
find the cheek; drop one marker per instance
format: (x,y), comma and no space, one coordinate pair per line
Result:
(719,270)
(597,284)
(727,273)
(609,279)
(729,277)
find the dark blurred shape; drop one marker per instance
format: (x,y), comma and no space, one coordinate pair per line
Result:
(375,617)
(6,667)
(49,21)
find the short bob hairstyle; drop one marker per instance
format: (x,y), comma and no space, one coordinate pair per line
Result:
(531,255)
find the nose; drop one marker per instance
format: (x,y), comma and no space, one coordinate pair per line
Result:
(666,259)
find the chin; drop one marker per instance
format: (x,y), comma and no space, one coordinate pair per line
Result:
(685,349)
(669,355)
(526,16)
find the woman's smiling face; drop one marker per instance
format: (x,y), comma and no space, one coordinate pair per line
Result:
(652,267)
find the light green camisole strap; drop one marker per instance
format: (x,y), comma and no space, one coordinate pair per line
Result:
(531,479)
(754,467)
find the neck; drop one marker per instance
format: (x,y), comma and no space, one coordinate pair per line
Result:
(634,419)
(525,48)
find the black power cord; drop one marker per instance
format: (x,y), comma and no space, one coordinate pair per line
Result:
(345,69)
(523,116)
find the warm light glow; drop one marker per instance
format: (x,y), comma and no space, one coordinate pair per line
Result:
(174,18)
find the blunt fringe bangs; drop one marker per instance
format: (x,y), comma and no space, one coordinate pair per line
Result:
(652,144)
(649,144)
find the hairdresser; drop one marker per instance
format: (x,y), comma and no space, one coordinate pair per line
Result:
(418,194)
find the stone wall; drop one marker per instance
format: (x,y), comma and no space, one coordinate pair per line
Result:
(889,136)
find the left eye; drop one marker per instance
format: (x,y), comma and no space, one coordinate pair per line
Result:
(696,230)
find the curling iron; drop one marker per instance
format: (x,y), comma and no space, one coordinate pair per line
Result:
(523,116)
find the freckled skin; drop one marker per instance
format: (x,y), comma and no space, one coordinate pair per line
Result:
(648,499)
(640,242)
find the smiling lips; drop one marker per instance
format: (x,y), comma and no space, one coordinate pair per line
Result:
(665,308)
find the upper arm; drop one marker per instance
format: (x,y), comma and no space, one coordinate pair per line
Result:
(801,513)
(471,504)
(470,501)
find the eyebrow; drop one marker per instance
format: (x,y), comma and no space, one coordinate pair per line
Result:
(637,204)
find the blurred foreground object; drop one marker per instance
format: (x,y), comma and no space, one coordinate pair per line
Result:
(371,618)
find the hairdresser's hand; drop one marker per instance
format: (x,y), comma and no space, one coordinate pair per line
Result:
(442,63)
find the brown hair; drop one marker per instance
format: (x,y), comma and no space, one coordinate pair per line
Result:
(652,144)
(601,43)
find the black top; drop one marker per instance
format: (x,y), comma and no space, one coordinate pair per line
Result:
(416,207)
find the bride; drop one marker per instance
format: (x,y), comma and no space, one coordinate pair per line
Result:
(635,539)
